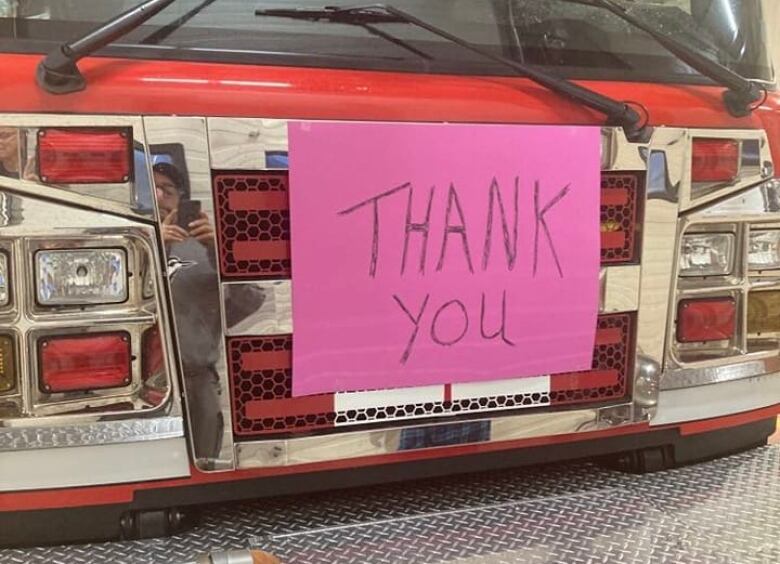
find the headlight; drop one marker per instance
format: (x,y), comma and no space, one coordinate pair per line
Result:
(707,254)
(764,250)
(81,276)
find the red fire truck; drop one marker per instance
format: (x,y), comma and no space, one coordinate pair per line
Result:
(162,166)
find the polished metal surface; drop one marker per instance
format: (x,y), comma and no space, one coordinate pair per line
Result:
(246,143)
(54,468)
(92,433)
(728,397)
(272,317)
(752,170)
(131,198)
(196,293)
(304,450)
(38,224)
(720,512)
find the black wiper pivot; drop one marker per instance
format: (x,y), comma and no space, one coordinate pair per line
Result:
(618,113)
(58,72)
(742,94)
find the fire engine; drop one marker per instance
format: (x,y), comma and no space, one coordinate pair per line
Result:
(260,248)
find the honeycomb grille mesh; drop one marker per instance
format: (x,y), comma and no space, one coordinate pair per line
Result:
(261,216)
(619,217)
(274,385)
(607,357)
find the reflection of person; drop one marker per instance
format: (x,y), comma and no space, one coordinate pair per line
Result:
(168,184)
(10,157)
(195,292)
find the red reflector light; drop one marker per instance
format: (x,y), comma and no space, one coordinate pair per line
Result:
(715,160)
(84,156)
(85,362)
(704,320)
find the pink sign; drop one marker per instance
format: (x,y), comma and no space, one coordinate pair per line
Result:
(433,253)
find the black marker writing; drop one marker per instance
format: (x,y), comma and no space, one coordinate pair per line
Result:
(416,321)
(502,330)
(435,334)
(375,240)
(458,229)
(510,239)
(541,222)
(423,228)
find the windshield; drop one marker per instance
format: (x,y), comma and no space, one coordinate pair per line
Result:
(573,39)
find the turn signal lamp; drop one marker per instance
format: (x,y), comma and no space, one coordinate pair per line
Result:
(764,250)
(84,156)
(764,312)
(81,276)
(3,279)
(7,370)
(715,160)
(706,320)
(84,362)
(707,254)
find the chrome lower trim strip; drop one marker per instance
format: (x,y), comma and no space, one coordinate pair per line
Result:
(93,465)
(690,377)
(307,450)
(90,434)
(726,398)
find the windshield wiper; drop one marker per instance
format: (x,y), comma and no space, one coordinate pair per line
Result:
(742,93)
(58,72)
(618,113)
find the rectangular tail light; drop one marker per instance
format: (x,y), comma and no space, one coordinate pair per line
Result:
(84,362)
(81,276)
(715,160)
(85,156)
(706,320)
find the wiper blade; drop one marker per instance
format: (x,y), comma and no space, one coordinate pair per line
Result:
(58,72)
(617,112)
(742,94)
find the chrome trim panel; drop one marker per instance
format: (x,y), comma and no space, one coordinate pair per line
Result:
(244,143)
(196,295)
(619,288)
(90,434)
(665,173)
(273,317)
(690,377)
(133,198)
(307,450)
(750,174)
(33,222)
(91,465)
(726,398)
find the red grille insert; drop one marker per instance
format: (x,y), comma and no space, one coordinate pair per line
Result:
(619,213)
(253,224)
(261,386)
(612,363)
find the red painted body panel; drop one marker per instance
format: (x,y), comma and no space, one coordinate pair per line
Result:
(123,86)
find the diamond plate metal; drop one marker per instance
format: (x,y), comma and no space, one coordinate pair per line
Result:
(716,513)
(96,433)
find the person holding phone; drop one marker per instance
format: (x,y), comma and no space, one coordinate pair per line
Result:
(182,218)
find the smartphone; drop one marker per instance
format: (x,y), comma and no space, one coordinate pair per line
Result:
(189,211)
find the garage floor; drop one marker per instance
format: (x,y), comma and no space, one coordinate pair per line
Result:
(719,512)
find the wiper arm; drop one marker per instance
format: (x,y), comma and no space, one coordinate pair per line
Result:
(58,72)
(618,113)
(742,93)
